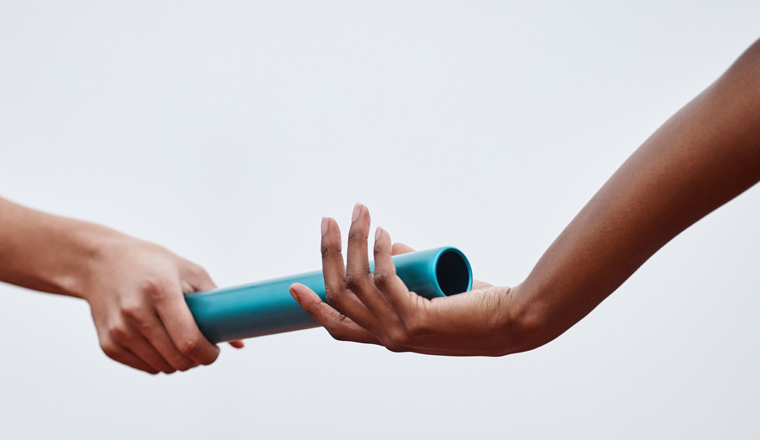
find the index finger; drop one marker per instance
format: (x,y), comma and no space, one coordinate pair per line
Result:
(184,332)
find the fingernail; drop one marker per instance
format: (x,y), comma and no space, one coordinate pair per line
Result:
(325,222)
(357,210)
(378,233)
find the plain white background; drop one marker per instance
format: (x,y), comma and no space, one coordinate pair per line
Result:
(225,130)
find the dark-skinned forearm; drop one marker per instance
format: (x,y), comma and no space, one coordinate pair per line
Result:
(704,156)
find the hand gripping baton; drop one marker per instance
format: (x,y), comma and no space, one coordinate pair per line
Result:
(266,307)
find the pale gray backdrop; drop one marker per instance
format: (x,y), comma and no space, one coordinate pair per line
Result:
(225,130)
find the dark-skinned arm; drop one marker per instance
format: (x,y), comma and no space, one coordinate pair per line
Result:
(702,157)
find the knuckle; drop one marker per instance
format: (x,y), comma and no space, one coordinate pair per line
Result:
(313,309)
(326,251)
(189,345)
(133,313)
(192,347)
(396,339)
(110,348)
(394,347)
(356,234)
(198,271)
(330,246)
(354,280)
(383,280)
(155,287)
(334,298)
(399,338)
(379,248)
(415,327)
(118,332)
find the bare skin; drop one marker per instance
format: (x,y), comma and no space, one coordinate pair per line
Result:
(135,289)
(702,157)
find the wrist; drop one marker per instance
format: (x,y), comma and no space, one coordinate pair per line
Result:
(90,247)
(526,324)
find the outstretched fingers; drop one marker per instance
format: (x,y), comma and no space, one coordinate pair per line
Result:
(359,279)
(360,306)
(334,273)
(337,324)
(386,280)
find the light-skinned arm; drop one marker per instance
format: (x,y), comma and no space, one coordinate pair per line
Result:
(702,157)
(134,288)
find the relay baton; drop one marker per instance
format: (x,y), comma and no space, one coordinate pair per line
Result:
(266,307)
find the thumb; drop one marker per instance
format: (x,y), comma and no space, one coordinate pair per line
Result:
(198,278)
(400,248)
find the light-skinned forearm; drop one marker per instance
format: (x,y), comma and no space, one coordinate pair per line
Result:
(134,288)
(47,252)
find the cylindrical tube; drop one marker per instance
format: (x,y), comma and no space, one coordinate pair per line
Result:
(267,307)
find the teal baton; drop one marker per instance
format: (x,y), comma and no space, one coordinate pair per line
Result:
(266,307)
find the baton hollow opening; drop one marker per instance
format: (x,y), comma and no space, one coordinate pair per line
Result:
(453,272)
